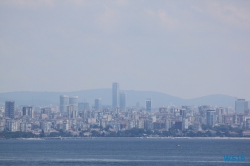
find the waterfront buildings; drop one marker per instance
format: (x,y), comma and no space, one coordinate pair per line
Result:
(104,119)
(9,109)
(28,111)
(65,101)
(210,116)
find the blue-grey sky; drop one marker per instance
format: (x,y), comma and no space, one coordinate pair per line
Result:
(183,48)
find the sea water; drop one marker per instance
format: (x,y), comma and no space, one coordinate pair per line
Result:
(124,151)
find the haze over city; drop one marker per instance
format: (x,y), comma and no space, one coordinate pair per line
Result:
(182,48)
(124,82)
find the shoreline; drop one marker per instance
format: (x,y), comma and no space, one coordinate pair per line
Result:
(92,138)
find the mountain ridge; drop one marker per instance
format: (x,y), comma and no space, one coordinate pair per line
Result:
(158,98)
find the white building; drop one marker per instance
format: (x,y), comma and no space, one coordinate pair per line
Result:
(64,102)
(73,100)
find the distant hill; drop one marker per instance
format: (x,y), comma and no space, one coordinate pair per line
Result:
(158,99)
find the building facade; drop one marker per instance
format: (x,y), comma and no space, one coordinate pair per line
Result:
(28,111)
(9,109)
(148,105)
(241,106)
(64,102)
(73,100)
(98,104)
(210,117)
(115,95)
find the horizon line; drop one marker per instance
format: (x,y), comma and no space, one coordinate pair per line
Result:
(121,90)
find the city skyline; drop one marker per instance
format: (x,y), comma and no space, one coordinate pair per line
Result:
(79,118)
(124,82)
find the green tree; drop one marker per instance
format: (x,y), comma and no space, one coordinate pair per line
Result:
(95,133)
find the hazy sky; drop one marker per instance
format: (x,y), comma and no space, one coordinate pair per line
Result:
(183,48)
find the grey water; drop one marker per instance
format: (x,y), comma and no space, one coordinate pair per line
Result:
(123,151)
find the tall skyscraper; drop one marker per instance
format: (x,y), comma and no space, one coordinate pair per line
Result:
(9,109)
(211,118)
(115,95)
(148,105)
(241,106)
(183,113)
(28,111)
(70,109)
(73,100)
(98,104)
(123,101)
(64,102)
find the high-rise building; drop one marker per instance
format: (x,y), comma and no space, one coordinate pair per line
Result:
(115,95)
(73,100)
(64,102)
(148,105)
(83,106)
(123,101)
(211,118)
(241,106)
(98,104)
(9,109)
(183,113)
(46,110)
(184,123)
(70,109)
(28,111)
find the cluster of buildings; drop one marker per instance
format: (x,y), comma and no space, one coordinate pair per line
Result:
(72,116)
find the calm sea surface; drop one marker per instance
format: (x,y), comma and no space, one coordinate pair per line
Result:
(123,151)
